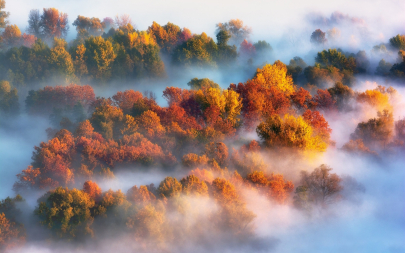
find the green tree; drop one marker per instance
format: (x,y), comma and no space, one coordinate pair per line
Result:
(204,83)
(107,120)
(100,57)
(199,51)
(226,54)
(296,67)
(66,212)
(383,68)
(8,99)
(398,42)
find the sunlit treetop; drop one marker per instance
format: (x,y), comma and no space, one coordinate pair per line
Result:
(275,76)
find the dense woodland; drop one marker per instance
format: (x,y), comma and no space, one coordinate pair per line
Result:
(201,132)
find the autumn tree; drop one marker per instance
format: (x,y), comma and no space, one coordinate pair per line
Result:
(375,98)
(149,124)
(126,100)
(54,23)
(228,105)
(320,187)
(43,101)
(79,60)
(290,131)
(275,76)
(247,49)
(51,165)
(233,215)
(323,100)
(3,14)
(113,208)
(12,231)
(358,147)
(167,36)
(192,185)
(302,99)
(141,195)
(11,234)
(11,37)
(217,151)
(319,124)
(92,189)
(274,186)
(148,223)
(169,187)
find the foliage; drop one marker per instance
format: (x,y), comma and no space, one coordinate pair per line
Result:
(67,212)
(275,76)
(398,42)
(290,131)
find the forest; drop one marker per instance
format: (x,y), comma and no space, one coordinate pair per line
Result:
(141,146)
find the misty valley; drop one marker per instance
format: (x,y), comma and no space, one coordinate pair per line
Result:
(115,138)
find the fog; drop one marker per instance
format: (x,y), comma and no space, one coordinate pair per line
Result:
(369,217)
(280,23)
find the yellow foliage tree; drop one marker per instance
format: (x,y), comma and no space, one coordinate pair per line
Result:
(149,124)
(233,105)
(290,131)
(275,76)
(228,102)
(140,38)
(376,99)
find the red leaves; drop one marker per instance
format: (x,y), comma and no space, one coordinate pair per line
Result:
(92,189)
(272,185)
